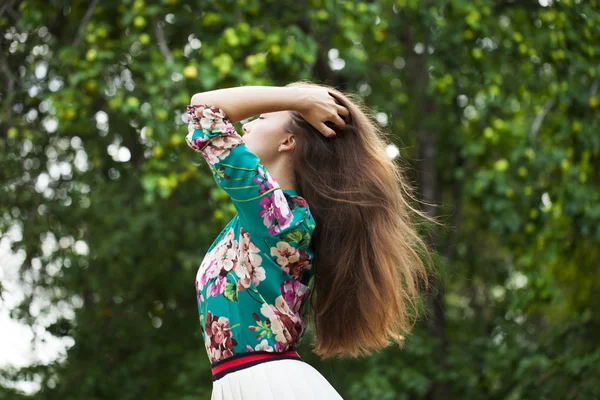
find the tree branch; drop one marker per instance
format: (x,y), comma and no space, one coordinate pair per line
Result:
(84,22)
(10,84)
(594,87)
(540,118)
(162,42)
(6,6)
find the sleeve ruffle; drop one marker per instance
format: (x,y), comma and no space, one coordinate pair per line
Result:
(206,122)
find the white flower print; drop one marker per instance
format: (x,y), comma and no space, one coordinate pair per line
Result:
(223,257)
(221,137)
(284,209)
(219,147)
(263,346)
(249,268)
(210,117)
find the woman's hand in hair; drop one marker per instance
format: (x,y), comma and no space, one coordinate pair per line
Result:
(317,107)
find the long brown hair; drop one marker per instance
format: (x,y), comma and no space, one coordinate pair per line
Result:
(368,271)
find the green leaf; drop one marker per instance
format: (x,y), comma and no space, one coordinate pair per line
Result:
(231,292)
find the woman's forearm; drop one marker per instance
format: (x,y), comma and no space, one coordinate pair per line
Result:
(243,102)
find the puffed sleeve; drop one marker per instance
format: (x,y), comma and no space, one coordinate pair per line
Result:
(260,202)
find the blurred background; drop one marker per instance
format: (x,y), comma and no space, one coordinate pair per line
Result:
(105,214)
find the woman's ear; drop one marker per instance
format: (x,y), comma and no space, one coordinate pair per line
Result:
(288,143)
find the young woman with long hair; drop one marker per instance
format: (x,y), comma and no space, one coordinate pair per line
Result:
(324,232)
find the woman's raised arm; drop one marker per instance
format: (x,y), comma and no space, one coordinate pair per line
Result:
(243,102)
(316,105)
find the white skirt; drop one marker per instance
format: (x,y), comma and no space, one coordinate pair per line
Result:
(275,380)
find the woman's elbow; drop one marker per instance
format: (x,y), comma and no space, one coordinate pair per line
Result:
(196,99)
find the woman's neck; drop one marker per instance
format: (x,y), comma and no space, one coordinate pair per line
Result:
(282,173)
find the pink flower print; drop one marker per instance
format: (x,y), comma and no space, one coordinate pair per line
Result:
(226,254)
(210,117)
(207,270)
(243,277)
(297,269)
(249,267)
(263,187)
(219,330)
(265,180)
(282,210)
(286,325)
(229,259)
(281,203)
(196,143)
(217,287)
(275,215)
(219,342)
(249,274)
(299,201)
(199,142)
(286,255)
(280,347)
(271,182)
(219,261)
(211,132)
(199,297)
(229,237)
(268,211)
(219,148)
(291,260)
(212,271)
(258,274)
(294,293)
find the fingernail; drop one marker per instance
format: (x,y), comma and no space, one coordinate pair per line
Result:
(333,136)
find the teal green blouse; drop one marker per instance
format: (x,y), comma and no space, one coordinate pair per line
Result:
(252,285)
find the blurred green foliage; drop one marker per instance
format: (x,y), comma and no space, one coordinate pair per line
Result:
(494,102)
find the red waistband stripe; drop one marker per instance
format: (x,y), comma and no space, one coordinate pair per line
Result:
(244,360)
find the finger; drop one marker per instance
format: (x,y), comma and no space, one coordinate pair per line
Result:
(326,131)
(343,111)
(335,98)
(336,119)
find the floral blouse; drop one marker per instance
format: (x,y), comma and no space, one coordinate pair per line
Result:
(252,285)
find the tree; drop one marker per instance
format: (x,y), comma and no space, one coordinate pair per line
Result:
(494,103)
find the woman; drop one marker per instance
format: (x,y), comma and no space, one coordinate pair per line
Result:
(322,232)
